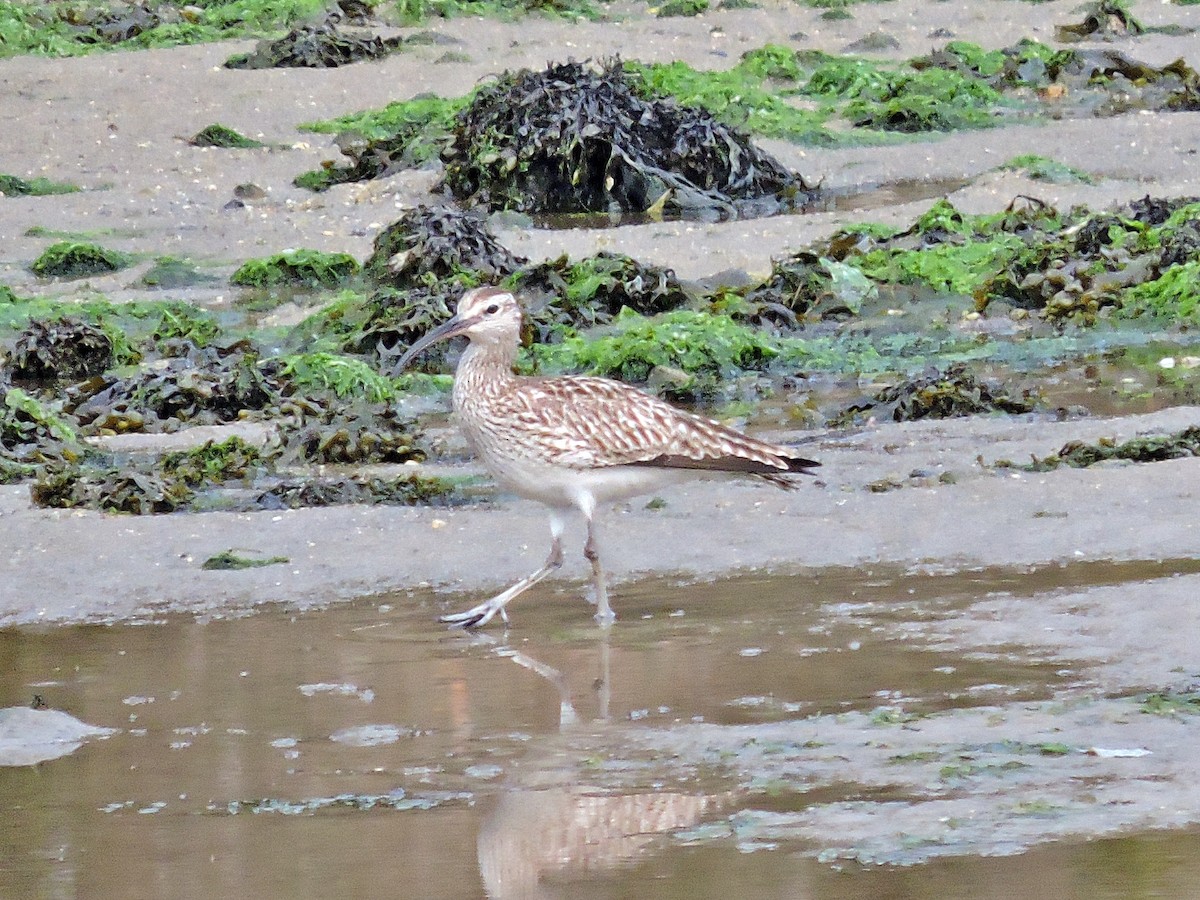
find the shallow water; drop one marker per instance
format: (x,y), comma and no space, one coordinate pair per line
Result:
(364,750)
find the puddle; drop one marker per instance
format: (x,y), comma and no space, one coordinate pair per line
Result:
(362,749)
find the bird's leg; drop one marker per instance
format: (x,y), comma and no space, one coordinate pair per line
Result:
(482,614)
(604,613)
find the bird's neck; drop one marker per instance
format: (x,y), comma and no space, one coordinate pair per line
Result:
(483,369)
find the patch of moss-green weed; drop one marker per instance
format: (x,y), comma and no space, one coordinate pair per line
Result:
(217,135)
(682,8)
(212,462)
(415,12)
(949,267)
(1041,168)
(132,327)
(15,186)
(344,375)
(169,273)
(403,134)
(1170,703)
(883,716)
(304,268)
(47,29)
(740,96)
(921,101)
(1172,297)
(706,350)
(72,259)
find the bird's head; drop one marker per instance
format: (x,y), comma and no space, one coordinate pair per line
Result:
(488,315)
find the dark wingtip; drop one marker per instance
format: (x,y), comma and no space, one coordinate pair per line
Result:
(801,465)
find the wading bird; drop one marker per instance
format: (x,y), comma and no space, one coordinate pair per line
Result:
(577,442)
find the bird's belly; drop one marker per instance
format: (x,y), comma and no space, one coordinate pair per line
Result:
(560,486)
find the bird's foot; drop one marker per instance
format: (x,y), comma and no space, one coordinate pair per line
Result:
(476,616)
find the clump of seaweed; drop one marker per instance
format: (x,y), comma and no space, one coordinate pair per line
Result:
(229,560)
(432,246)
(213,462)
(217,135)
(15,186)
(323,44)
(952,393)
(77,259)
(361,432)
(1107,18)
(169,273)
(61,350)
(302,268)
(577,139)
(115,25)
(807,285)
(422,263)
(111,488)
(560,294)
(163,484)
(403,135)
(201,386)
(1146,448)
(408,489)
(32,433)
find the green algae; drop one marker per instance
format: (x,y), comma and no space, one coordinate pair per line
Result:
(77,259)
(673,8)
(403,134)
(302,268)
(416,12)
(1041,168)
(217,135)
(231,560)
(752,95)
(232,459)
(15,186)
(1170,703)
(169,273)
(1173,297)
(134,328)
(693,353)
(424,112)
(345,376)
(70,30)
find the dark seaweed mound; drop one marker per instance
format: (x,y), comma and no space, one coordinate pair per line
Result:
(317,45)
(574,139)
(939,395)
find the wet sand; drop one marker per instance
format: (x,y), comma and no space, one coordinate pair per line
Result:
(1074,588)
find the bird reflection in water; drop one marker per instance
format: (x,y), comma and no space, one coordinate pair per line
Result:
(537,836)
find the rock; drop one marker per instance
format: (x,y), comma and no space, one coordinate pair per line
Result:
(30,736)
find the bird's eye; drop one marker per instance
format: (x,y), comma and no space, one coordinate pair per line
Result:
(493,309)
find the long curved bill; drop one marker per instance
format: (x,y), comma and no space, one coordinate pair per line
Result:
(448,329)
